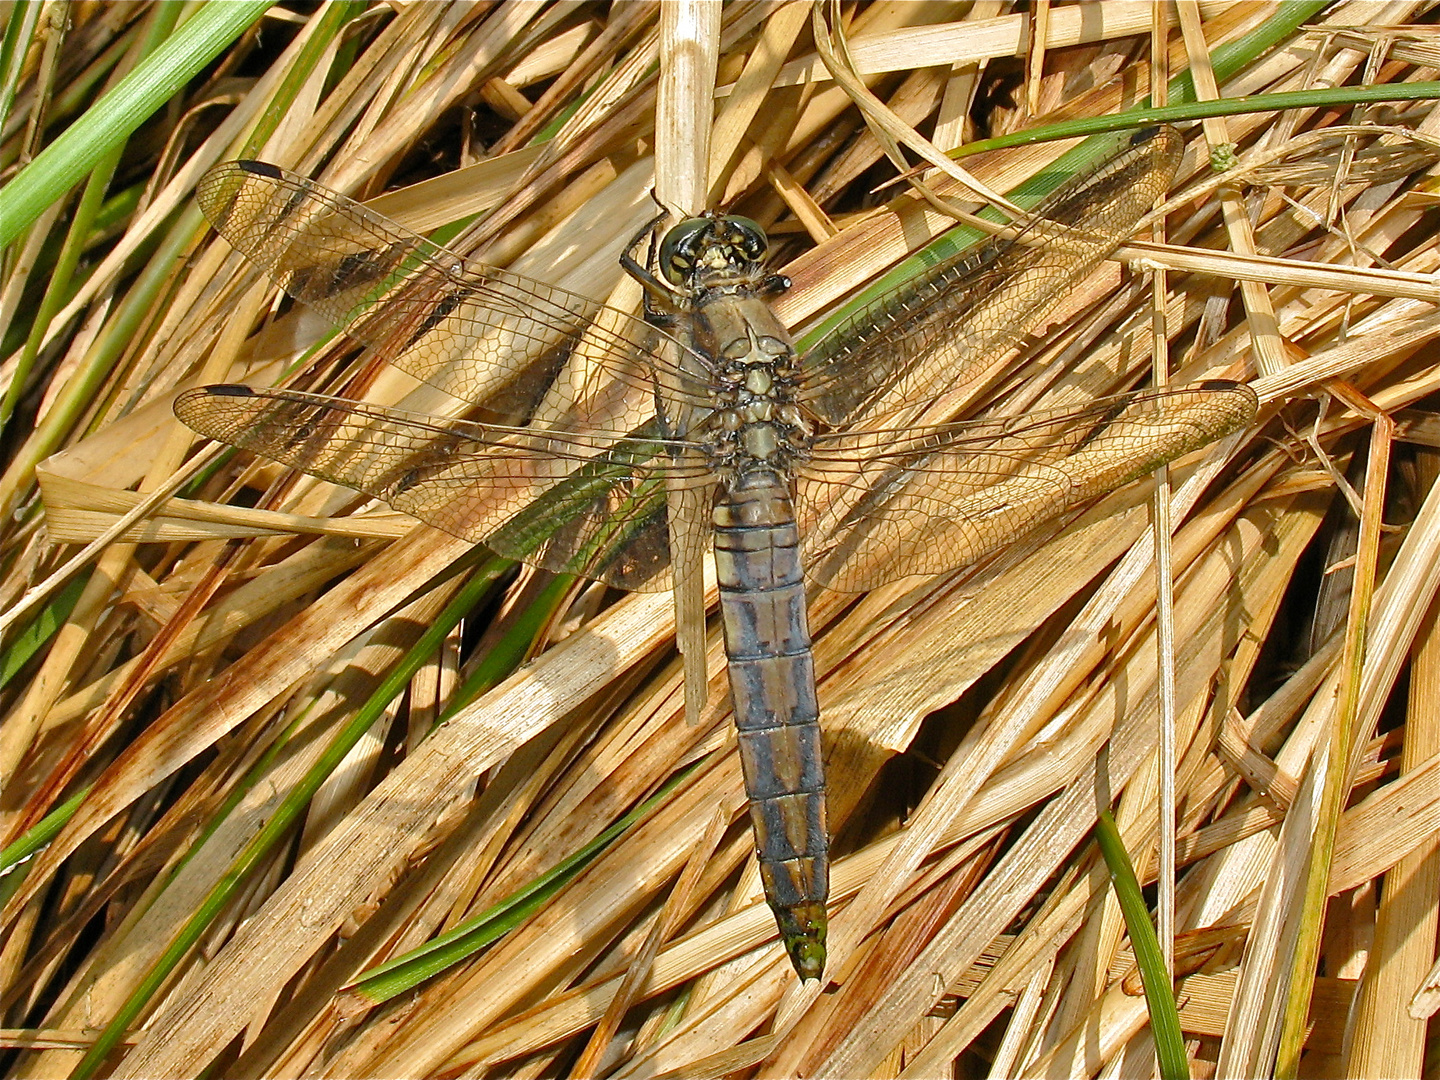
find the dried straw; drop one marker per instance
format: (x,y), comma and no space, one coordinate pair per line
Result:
(191,677)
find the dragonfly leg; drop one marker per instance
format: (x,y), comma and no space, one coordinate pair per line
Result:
(655,289)
(774,285)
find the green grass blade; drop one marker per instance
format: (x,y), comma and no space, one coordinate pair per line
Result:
(121,111)
(1159,996)
(464,940)
(33,637)
(280,823)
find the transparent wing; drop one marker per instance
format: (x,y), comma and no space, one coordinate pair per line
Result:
(942,329)
(479,333)
(588,505)
(881,505)
(572,495)
(875,506)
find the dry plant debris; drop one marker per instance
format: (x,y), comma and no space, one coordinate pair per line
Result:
(190,676)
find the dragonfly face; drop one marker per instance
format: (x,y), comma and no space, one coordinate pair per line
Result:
(828,467)
(712,250)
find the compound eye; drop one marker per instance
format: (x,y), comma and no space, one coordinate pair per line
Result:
(748,236)
(679,248)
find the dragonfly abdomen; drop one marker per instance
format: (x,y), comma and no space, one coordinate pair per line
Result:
(772,688)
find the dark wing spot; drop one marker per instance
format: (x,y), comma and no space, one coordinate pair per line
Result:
(406,480)
(438,314)
(261,168)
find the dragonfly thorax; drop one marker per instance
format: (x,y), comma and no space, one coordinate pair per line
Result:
(763,433)
(756,422)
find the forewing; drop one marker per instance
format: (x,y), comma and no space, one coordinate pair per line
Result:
(942,329)
(479,333)
(884,505)
(569,503)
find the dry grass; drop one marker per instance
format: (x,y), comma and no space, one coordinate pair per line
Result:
(207,655)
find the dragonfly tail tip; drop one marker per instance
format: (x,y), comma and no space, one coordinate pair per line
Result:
(803,930)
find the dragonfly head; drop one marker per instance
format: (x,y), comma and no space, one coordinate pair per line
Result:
(710,249)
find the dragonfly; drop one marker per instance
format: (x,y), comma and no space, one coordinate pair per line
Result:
(600,441)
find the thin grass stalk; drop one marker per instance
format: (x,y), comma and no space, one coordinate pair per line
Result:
(1164,566)
(280,823)
(1340,753)
(1382,1038)
(157,28)
(19,33)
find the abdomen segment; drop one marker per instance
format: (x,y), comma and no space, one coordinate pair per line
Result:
(772,687)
